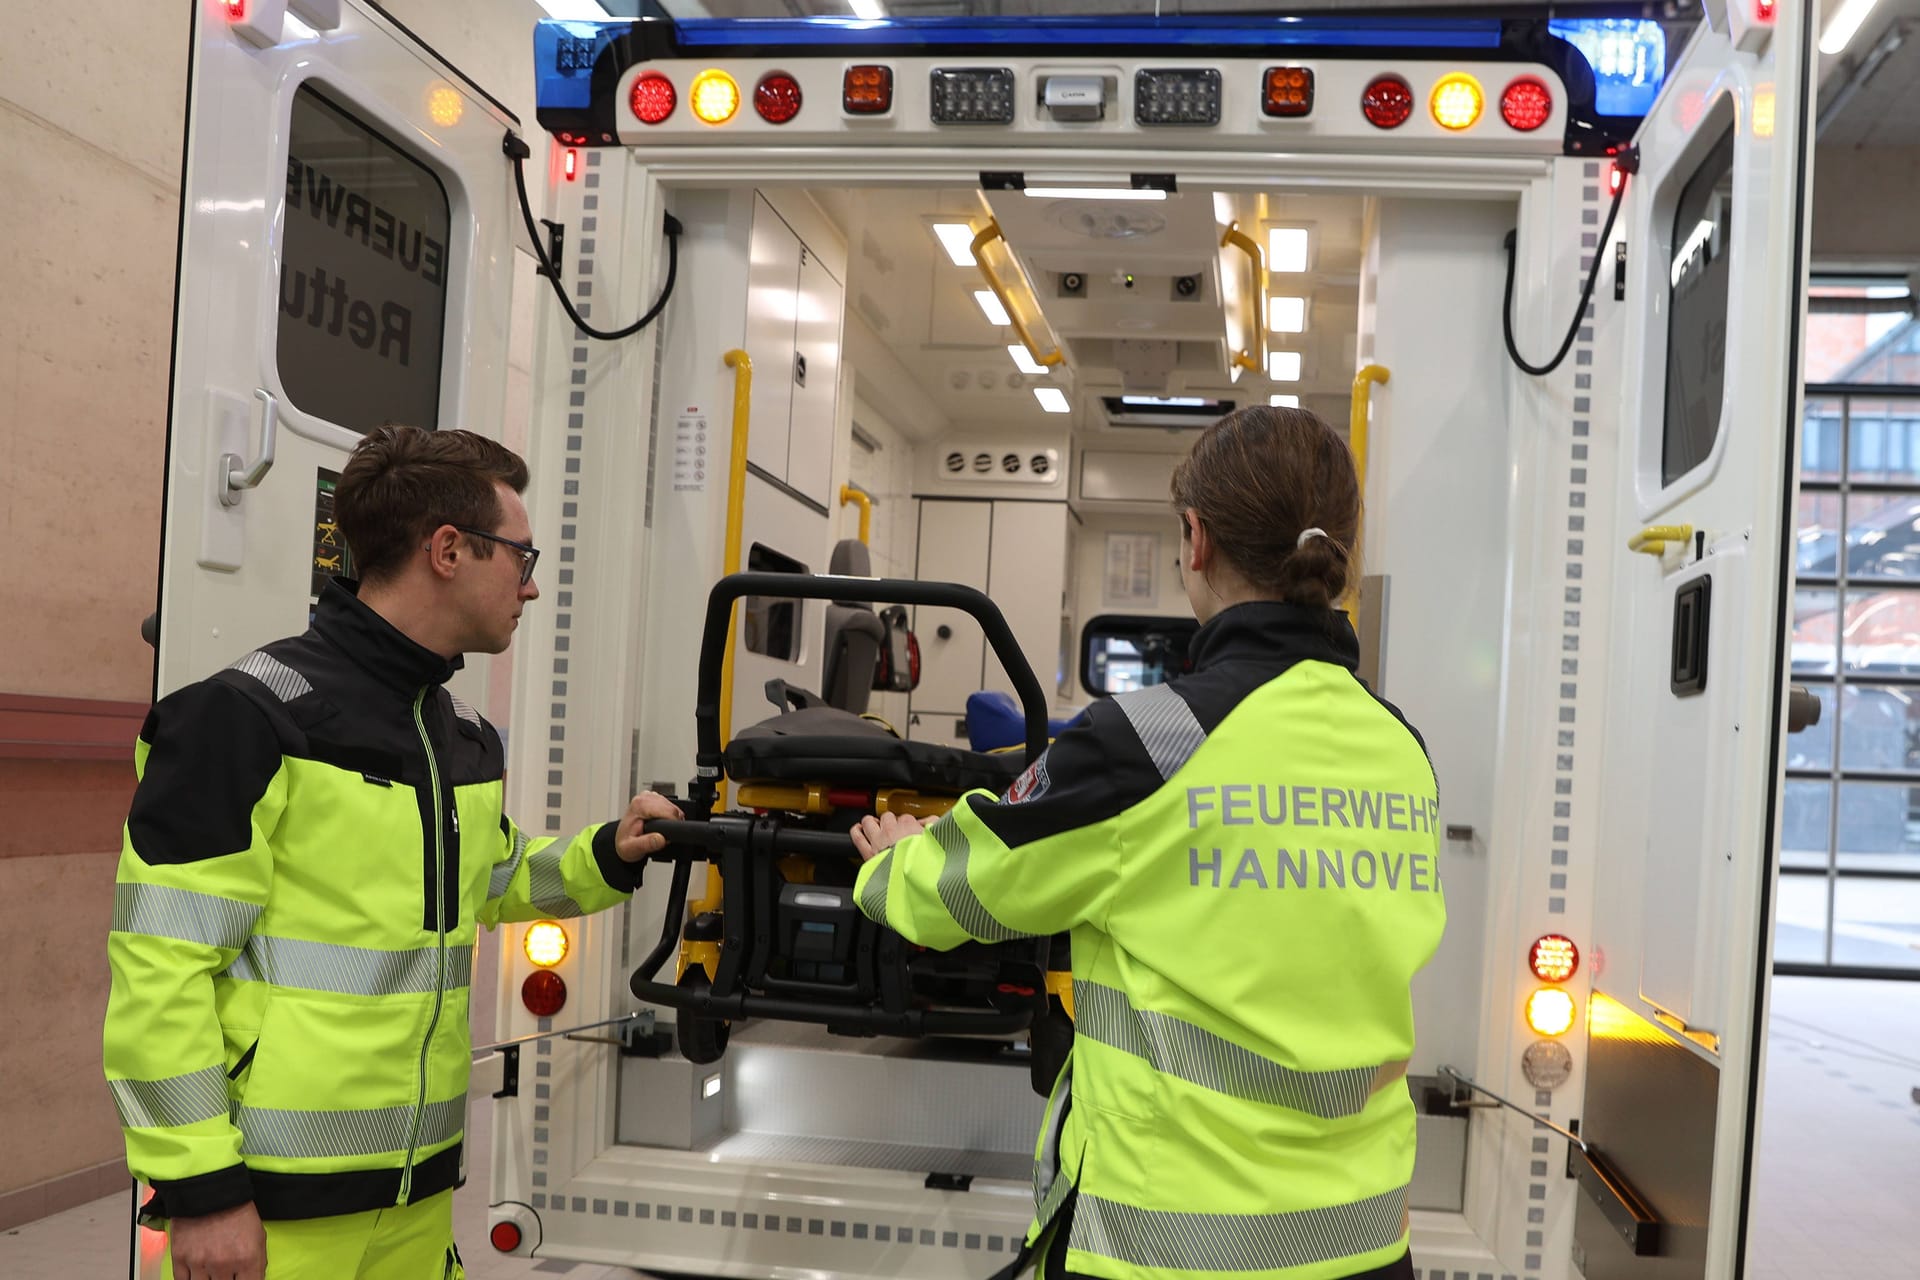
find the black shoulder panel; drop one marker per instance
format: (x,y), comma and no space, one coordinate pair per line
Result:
(212,751)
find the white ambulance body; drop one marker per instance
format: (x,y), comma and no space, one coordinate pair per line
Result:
(1576,581)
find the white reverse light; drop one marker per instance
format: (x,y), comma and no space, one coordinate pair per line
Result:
(1287,315)
(710,1087)
(1096,193)
(1283,402)
(1844,25)
(1024,361)
(957,239)
(1283,366)
(1287,249)
(1052,399)
(996,314)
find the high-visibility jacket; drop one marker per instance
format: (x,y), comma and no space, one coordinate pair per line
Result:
(1247,861)
(315,833)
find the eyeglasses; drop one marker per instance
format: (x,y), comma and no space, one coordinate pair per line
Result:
(529,555)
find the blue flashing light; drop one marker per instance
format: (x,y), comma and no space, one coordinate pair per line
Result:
(1628,57)
(563,54)
(1086,33)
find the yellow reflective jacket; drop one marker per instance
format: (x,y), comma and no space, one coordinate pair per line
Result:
(1247,860)
(316,832)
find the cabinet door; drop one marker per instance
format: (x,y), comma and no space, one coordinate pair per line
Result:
(773,276)
(816,379)
(953,548)
(1026,576)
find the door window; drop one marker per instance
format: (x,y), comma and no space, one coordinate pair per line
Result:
(1697,313)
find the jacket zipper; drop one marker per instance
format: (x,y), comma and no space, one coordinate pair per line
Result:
(440,934)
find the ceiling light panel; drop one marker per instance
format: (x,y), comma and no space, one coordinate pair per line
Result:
(1287,315)
(1283,366)
(1023,360)
(996,314)
(957,239)
(1287,249)
(1052,399)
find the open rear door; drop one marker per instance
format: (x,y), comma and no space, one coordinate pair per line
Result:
(345,261)
(1716,237)
(346,251)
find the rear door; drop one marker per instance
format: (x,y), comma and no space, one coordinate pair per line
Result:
(345,261)
(1716,230)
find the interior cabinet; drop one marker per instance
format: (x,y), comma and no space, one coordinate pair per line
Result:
(793,336)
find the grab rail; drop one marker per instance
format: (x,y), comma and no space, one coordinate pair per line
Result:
(1253,360)
(988,234)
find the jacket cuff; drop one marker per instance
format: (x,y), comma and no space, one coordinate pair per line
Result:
(624,876)
(201,1194)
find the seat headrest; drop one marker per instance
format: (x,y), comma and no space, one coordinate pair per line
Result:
(850,559)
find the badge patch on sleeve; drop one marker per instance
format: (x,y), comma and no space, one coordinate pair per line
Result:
(1030,785)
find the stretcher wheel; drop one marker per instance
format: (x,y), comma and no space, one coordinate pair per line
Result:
(701,1040)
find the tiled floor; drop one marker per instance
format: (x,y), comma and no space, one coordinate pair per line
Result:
(1839,1158)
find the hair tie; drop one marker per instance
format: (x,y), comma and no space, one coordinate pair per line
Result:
(1305,534)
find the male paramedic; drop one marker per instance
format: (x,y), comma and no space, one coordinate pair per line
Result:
(316,832)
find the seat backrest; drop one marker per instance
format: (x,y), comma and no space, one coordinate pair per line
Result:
(854,635)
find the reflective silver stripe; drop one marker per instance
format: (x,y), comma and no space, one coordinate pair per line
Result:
(461,709)
(286,683)
(348,971)
(1237,1242)
(1049,1188)
(956,893)
(269,1131)
(502,878)
(1198,1056)
(1166,725)
(546,887)
(873,898)
(173,1101)
(163,912)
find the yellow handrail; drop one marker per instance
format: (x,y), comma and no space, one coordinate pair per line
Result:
(1358,422)
(1653,539)
(707,954)
(1254,360)
(863,500)
(988,234)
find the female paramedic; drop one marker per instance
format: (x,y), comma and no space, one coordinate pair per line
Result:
(1246,860)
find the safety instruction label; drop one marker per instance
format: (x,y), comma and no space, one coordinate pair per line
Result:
(330,558)
(690,452)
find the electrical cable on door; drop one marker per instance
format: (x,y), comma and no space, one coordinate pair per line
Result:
(1627,162)
(518,151)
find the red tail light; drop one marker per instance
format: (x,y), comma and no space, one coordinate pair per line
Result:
(1764,9)
(1616,179)
(544,993)
(1526,105)
(653,98)
(570,164)
(236,10)
(777,97)
(505,1236)
(1387,102)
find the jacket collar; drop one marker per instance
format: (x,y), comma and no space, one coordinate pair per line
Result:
(1266,630)
(376,645)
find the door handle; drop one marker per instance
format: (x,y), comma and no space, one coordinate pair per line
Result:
(234,481)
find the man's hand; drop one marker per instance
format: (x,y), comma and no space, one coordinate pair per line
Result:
(876,835)
(628,842)
(228,1245)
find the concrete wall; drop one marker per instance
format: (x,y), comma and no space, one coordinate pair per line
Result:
(90,146)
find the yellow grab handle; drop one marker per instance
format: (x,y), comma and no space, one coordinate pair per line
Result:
(988,234)
(862,500)
(1359,427)
(1255,359)
(1653,539)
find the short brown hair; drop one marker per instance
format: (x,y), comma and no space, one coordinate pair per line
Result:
(402,483)
(1259,477)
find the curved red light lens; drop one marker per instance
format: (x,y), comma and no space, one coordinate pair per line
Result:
(1387,102)
(1526,105)
(1553,958)
(505,1236)
(544,993)
(777,97)
(653,98)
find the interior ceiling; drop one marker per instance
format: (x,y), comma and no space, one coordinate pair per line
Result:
(1870,91)
(1157,337)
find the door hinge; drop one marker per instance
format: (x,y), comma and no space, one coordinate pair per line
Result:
(1620,271)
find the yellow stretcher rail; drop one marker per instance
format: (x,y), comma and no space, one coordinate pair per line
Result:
(988,234)
(860,498)
(1655,538)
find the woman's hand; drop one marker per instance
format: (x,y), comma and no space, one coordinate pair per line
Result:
(876,835)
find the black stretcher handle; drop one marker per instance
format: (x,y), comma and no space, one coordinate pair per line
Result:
(713,834)
(911,1022)
(794,586)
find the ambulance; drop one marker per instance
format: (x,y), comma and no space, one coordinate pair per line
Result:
(958,292)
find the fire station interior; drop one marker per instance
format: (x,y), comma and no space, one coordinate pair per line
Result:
(1148,309)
